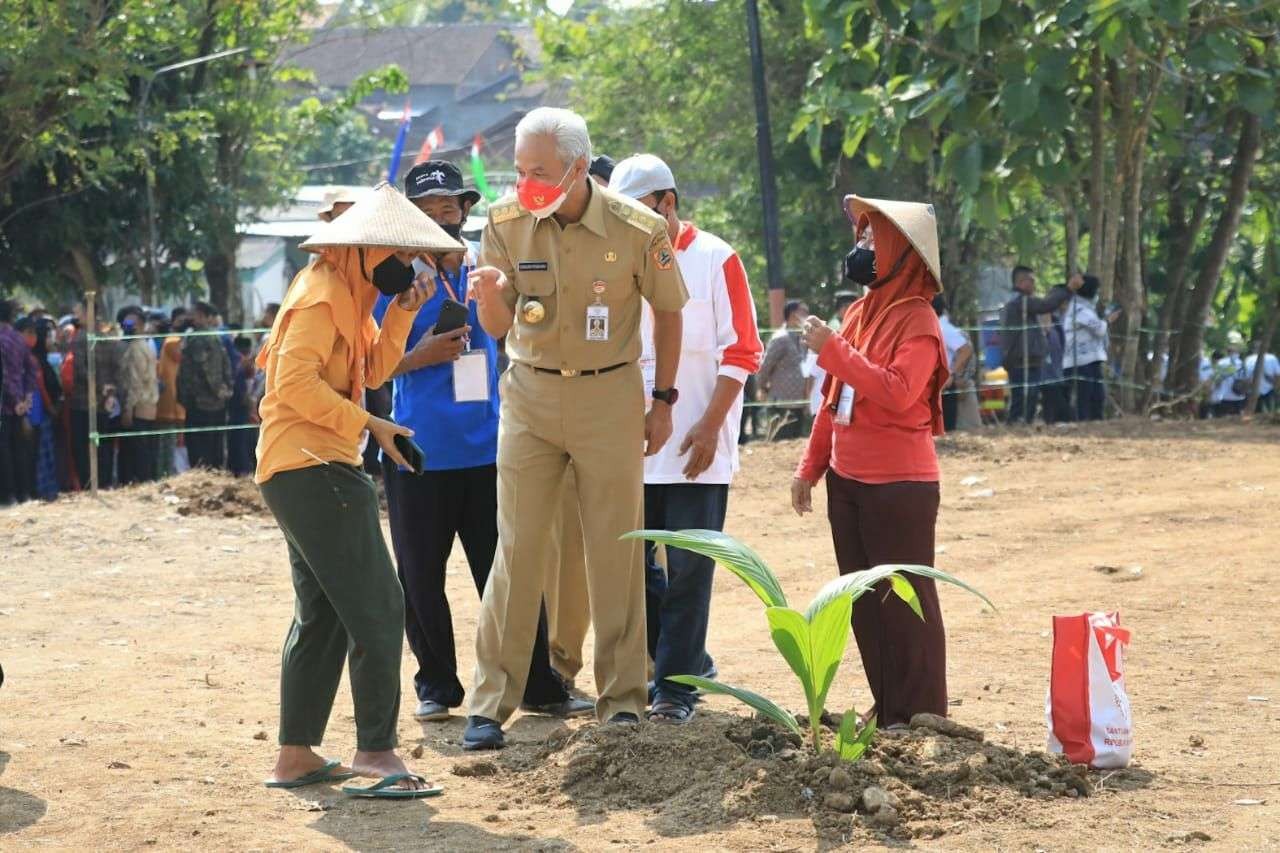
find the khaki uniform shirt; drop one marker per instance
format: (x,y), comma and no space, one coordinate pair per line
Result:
(619,248)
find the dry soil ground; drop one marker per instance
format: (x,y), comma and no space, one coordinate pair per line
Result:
(140,636)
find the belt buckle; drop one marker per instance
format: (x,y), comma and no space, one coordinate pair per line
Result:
(570,372)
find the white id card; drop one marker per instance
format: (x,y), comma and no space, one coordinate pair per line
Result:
(844,409)
(471,377)
(597,322)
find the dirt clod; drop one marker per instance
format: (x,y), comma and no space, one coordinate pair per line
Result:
(838,801)
(476,768)
(875,798)
(260,735)
(947,727)
(839,779)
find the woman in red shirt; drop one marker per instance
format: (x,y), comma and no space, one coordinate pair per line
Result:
(873,440)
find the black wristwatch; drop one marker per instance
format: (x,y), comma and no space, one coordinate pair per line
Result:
(669,396)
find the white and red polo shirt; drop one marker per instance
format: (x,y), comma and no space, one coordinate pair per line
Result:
(720,338)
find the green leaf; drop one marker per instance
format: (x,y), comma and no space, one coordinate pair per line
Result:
(1256,96)
(747,697)
(860,583)
(728,552)
(1020,100)
(904,590)
(790,633)
(966,167)
(851,746)
(828,637)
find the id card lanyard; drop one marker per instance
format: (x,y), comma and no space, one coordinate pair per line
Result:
(471,368)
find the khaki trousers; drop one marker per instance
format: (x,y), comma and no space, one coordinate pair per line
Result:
(568,613)
(548,421)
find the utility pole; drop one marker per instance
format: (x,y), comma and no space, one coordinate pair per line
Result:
(768,186)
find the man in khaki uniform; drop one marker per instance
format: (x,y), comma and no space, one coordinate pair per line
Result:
(566,265)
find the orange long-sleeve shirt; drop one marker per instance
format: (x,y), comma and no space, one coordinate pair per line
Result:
(307,412)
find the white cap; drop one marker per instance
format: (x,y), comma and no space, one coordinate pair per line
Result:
(641,174)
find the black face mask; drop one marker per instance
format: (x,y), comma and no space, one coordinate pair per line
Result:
(453,229)
(392,277)
(860,266)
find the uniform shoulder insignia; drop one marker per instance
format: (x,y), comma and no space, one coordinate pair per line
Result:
(505,211)
(636,216)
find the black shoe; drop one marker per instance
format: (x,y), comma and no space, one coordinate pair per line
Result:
(624,718)
(482,733)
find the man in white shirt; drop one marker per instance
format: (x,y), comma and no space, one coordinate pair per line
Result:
(687,482)
(1226,398)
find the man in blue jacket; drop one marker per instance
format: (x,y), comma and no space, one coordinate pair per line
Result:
(446,390)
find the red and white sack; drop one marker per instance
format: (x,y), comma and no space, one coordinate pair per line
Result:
(1087,708)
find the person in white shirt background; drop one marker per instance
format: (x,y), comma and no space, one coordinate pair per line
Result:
(1084,349)
(959,354)
(687,482)
(1270,375)
(1227,397)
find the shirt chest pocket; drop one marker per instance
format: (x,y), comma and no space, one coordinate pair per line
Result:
(699,326)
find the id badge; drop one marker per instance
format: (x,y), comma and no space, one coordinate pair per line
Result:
(597,322)
(471,377)
(844,409)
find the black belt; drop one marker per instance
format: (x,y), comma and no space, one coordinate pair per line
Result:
(608,369)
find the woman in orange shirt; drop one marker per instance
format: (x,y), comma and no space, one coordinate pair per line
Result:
(323,351)
(873,440)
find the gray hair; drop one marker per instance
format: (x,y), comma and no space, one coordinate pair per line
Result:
(565,126)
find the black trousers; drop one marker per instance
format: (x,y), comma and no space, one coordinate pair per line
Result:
(427,512)
(950,407)
(17,461)
(905,658)
(138,453)
(81,447)
(206,449)
(1090,390)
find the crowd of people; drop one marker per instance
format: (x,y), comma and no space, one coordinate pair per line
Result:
(166,387)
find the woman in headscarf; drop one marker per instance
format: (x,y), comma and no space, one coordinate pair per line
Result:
(323,351)
(873,440)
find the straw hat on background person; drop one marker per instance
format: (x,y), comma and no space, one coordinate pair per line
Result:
(383,218)
(916,220)
(338,200)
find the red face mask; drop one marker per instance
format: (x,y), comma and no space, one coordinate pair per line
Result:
(539,198)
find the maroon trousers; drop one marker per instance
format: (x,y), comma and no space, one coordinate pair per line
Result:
(905,659)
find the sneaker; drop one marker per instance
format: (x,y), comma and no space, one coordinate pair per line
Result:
(429,711)
(482,733)
(570,707)
(624,718)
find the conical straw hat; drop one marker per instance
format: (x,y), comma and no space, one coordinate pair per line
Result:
(915,220)
(383,218)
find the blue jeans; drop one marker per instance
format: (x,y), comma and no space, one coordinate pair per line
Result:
(678,601)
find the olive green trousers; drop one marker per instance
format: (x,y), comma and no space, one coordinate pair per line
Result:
(348,605)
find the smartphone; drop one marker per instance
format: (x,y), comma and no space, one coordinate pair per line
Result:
(453,316)
(411,452)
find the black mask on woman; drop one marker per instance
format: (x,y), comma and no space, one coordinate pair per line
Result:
(860,266)
(453,229)
(392,277)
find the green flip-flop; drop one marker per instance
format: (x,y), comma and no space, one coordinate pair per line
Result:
(385,789)
(316,777)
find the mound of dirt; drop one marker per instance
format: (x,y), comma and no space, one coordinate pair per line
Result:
(722,769)
(209,493)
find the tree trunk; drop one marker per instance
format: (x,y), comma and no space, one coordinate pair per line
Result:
(219,270)
(1183,231)
(86,274)
(1191,341)
(1098,164)
(1071,232)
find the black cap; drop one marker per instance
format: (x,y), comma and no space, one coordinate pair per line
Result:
(437,177)
(602,166)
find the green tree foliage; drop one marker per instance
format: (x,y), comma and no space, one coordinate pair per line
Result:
(673,79)
(216,141)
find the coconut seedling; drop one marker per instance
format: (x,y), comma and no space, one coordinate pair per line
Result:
(813,641)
